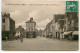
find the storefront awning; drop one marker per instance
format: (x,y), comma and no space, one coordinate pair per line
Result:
(75,33)
(66,33)
(50,33)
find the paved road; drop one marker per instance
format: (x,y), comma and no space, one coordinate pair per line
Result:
(40,44)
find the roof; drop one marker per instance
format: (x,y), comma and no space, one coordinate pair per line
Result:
(7,15)
(11,18)
(31,20)
(20,28)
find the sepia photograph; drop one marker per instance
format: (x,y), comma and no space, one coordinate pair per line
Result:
(40,25)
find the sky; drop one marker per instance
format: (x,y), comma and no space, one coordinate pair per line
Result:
(42,14)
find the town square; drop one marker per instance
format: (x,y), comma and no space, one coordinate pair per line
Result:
(40,44)
(46,26)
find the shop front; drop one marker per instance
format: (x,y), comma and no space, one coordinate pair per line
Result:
(75,35)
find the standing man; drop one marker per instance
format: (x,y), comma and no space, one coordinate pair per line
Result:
(21,37)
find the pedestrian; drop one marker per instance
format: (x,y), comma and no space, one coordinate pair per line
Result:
(21,39)
(6,38)
(70,38)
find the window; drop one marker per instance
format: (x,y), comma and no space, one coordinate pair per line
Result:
(18,31)
(3,20)
(29,29)
(65,21)
(3,28)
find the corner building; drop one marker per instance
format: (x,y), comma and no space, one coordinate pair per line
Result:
(30,28)
(8,27)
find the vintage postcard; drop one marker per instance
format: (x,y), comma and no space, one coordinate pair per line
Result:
(40,25)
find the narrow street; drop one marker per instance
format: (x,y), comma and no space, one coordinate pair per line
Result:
(40,44)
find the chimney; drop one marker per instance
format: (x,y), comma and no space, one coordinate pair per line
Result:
(8,14)
(31,19)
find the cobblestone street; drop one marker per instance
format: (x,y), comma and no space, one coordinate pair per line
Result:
(40,44)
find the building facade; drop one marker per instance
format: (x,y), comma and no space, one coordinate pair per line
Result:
(40,32)
(55,26)
(71,21)
(8,27)
(36,32)
(48,31)
(31,28)
(58,25)
(71,25)
(20,32)
(63,24)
